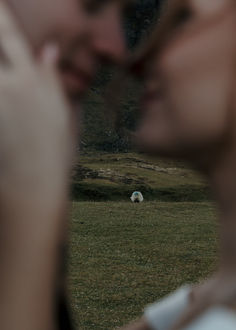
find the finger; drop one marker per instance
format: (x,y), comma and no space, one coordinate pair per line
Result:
(12,40)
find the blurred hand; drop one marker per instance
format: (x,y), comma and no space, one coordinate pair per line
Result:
(35,137)
(35,160)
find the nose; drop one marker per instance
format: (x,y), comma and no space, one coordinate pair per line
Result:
(109,38)
(72,24)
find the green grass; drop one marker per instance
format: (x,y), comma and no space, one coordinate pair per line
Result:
(104,177)
(124,256)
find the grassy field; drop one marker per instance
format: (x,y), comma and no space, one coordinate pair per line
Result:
(124,255)
(106,177)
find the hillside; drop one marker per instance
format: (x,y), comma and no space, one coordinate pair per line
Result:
(103,177)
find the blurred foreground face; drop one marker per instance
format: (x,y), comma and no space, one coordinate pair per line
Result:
(102,41)
(54,20)
(189,71)
(86,31)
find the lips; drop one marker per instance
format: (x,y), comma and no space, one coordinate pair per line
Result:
(149,97)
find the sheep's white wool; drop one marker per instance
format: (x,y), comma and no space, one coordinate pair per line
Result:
(137,197)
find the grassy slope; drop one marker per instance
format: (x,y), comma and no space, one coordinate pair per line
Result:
(124,256)
(115,177)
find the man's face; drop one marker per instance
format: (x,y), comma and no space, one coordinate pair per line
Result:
(101,40)
(86,32)
(44,20)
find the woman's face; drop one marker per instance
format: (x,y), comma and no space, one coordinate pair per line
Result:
(189,79)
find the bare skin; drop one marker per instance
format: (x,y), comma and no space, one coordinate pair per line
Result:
(30,207)
(33,216)
(190,113)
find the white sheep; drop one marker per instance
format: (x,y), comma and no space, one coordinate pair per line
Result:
(137,197)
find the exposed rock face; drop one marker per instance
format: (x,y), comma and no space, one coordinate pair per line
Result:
(81,172)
